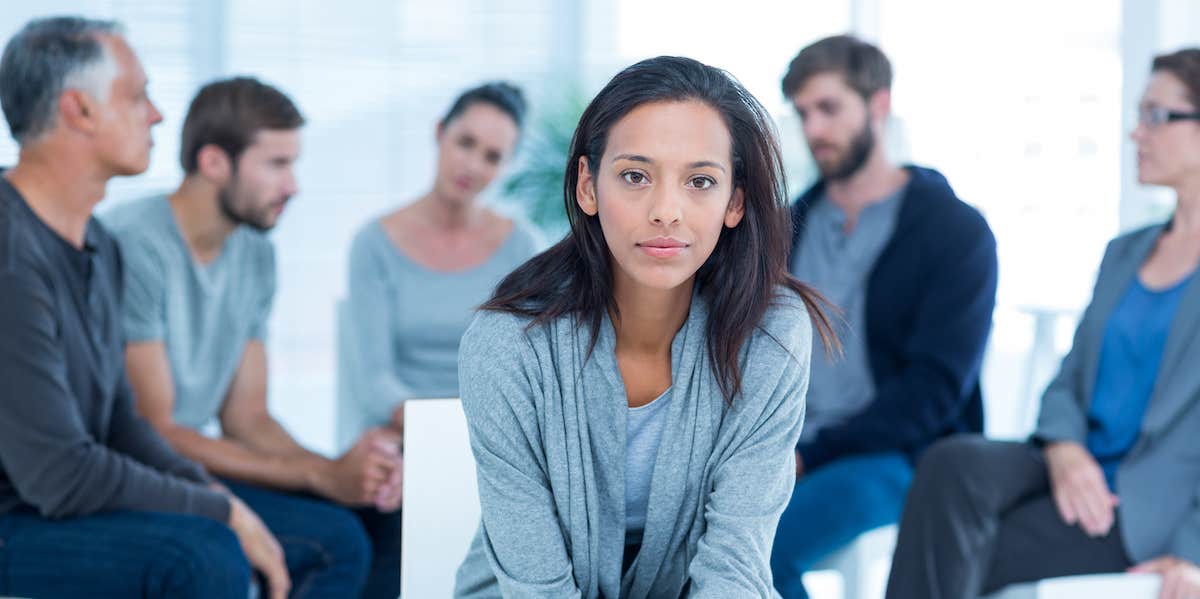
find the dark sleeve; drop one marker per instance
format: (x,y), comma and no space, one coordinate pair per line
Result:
(131,435)
(46,451)
(943,354)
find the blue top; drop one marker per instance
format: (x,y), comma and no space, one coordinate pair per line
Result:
(643,431)
(405,321)
(204,314)
(1129,357)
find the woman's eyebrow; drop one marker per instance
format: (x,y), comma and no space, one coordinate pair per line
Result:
(697,164)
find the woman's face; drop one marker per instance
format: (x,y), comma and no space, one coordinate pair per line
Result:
(1168,153)
(663,190)
(471,149)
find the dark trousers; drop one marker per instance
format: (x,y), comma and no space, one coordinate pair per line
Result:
(120,554)
(330,551)
(979,516)
(383,529)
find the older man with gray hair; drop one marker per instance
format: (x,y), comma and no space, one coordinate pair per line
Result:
(92,501)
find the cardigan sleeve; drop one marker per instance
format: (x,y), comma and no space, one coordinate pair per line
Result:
(520,534)
(753,484)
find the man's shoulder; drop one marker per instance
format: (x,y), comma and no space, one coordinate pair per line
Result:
(931,200)
(144,221)
(15,244)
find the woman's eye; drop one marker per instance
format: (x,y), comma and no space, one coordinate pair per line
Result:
(702,182)
(633,177)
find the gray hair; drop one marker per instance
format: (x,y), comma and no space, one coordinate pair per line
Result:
(47,57)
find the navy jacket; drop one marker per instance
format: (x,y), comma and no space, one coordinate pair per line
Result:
(929,307)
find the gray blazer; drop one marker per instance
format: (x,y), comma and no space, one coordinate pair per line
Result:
(1159,480)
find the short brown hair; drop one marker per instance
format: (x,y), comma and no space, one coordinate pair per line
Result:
(864,66)
(1184,65)
(228,114)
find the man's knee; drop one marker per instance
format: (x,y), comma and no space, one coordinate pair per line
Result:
(345,540)
(209,562)
(953,459)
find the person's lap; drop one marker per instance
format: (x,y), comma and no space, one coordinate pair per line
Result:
(1034,543)
(325,547)
(384,532)
(981,517)
(830,507)
(120,554)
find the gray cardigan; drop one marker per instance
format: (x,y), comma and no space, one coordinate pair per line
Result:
(1159,480)
(547,428)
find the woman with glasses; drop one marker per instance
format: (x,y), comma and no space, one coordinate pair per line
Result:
(1110,480)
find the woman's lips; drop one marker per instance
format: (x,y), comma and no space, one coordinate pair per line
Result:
(662,247)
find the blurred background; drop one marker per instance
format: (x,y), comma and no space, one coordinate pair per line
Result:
(1024,105)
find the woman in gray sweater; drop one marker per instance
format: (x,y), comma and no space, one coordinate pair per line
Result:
(635,394)
(418,273)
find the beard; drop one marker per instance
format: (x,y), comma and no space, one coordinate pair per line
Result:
(237,216)
(855,157)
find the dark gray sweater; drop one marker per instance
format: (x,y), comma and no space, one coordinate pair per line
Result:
(71,443)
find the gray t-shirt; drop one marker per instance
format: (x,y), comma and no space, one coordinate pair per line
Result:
(205,314)
(405,322)
(838,265)
(643,431)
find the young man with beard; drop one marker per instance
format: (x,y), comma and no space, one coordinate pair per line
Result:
(199,283)
(913,270)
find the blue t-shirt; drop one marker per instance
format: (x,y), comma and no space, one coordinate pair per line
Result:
(204,314)
(643,431)
(1132,349)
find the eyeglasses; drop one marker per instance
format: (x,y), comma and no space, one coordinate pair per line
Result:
(1153,116)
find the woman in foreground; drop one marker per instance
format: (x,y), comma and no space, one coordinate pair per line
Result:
(635,393)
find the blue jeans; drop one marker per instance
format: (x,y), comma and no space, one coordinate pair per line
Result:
(325,547)
(120,554)
(384,529)
(830,507)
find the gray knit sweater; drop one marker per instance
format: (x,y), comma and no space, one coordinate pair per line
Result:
(547,428)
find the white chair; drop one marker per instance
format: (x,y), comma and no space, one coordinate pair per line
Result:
(1095,586)
(441,497)
(863,564)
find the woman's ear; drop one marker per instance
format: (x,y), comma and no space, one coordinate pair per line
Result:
(736,209)
(585,189)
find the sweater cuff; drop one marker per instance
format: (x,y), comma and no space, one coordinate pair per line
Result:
(210,504)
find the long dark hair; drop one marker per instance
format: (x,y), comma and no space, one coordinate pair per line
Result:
(739,280)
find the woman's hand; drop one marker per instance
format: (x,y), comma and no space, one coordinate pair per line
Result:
(1180,578)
